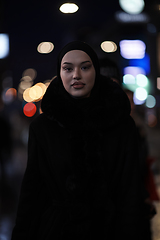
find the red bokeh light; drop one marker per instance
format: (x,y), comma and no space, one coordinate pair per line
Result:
(29,109)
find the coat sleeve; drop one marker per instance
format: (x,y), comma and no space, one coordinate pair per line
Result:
(28,201)
(130,199)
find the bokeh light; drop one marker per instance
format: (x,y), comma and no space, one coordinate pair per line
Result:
(68,8)
(26,95)
(29,109)
(137,101)
(128,79)
(158,83)
(150,101)
(132,49)
(108,46)
(134,18)
(132,6)
(143,63)
(141,94)
(45,47)
(43,87)
(35,93)
(133,70)
(141,80)
(25,84)
(29,73)
(4,45)
(8,95)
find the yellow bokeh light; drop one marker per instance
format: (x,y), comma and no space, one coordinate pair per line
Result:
(43,87)
(108,46)
(35,93)
(26,95)
(68,8)
(45,47)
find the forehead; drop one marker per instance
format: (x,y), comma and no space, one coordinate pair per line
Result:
(74,56)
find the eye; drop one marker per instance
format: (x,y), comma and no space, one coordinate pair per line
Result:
(67,69)
(86,67)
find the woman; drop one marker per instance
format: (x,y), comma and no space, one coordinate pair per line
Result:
(82,177)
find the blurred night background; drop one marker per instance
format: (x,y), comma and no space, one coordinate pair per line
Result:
(126,37)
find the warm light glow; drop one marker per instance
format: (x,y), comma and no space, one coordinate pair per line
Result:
(150,101)
(43,87)
(128,79)
(4,45)
(45,47)
(29,73)
(25,84)
(35,93)
(26,96)
(108,46)
(142,80)
(69,8)
(8,95)
(132,6)
(132,49)
(29,109)
(158,83)
(141,94)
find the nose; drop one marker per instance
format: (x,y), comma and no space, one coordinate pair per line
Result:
(77,74)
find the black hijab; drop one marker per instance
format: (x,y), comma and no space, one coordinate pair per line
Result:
(79,45)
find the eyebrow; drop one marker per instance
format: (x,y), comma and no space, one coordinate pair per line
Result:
(81,62)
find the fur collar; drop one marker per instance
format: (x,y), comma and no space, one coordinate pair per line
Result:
(108,107)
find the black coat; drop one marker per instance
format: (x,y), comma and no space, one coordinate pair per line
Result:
(82,177)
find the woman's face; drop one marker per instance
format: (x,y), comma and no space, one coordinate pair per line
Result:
(77,73)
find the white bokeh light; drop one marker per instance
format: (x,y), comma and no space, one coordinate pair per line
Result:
(132,49)
(69,8)
(134,70)
(128,79)
(132,6)
(141,94)
(141,80)
(4,45)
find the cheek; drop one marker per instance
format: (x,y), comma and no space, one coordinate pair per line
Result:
(92,78)
(65,80)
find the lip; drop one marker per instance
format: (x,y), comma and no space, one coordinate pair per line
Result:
(78,84)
